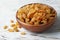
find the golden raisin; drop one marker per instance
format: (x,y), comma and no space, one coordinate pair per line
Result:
(15,27)
(23,33)
(18,25)
(16,30)
(10,30)
(12,21)
(12,25)
(5,27)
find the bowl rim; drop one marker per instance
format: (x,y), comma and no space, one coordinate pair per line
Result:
(39,24)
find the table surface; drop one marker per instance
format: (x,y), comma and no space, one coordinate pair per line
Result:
(8,10)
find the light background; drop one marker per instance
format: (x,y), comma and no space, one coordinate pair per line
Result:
(8,10)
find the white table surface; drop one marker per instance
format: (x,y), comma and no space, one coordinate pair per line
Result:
(8,10)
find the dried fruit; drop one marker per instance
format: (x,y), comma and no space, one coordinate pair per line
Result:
(12,25)
(12,21)
(5,27)
(23,33)
(10,30)
(18,25)
(16,30)
(35,12)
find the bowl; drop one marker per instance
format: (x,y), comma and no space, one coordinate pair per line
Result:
(37,28)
